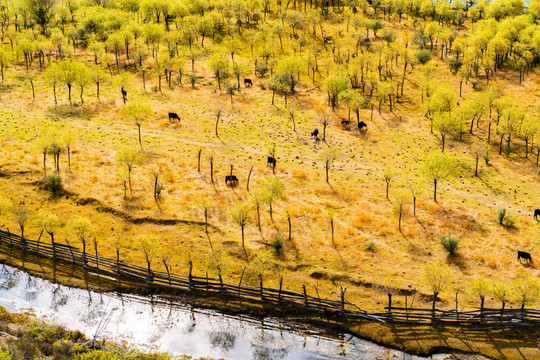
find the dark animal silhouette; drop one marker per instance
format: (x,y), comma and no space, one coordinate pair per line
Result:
(330,313)
(248,83)
(296,36)
(366,40)
(525,256)
(256,17)
(315,133)
(362,125)
(271,161)
(173,116)
(231,180)
(536,214)
(124,95)
(345,123)
(328,39)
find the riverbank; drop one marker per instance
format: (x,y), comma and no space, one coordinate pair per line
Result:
(24,336)
(421,340)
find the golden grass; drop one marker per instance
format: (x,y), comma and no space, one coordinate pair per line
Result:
(467,205)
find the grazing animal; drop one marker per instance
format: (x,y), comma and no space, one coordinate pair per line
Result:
(366,40)
(525,256)
(345,123)
(328,39)
(362,125)
(256,17)
(248,83)
(271,161)
(231,180)
(315,133)
(173,116)
(124,95)
(536,214)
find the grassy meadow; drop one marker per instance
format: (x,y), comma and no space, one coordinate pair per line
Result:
(368,254)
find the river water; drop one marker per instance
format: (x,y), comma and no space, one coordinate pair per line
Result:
(153,323)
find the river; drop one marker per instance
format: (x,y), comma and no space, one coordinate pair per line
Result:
(153,323)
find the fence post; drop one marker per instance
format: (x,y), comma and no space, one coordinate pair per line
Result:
(190,275)
(280,287)
(342,290)
(10,240)
(262,289)
(206,280)
(305,295)
(220,280)
(240,282)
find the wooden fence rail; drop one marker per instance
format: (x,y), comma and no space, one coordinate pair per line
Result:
(332,308)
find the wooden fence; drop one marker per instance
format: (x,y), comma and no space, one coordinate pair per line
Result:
(479,318)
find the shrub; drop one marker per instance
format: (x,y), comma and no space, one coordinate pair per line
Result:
(278,244)
(508,149)
(423,56)
(455,64)
(504,219)
(449,243)
(192,77)
(371,246)
(53,184)
(261,69)
(501,214)
(485,155)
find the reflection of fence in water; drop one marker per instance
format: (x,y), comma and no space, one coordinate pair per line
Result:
(113,268)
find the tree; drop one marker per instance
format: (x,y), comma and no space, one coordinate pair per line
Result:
(481,150)
(5,60)
(400,206)
(239,70)
(446,124)
(98,76)
(328,155)
(49,223)
(53,75)
(117,242)
(438,166)
(166,258)
(415,188)
(292,110)
(527,289)
(529,130)
(288,70)
(82,77)
(128,157)
(501,292)
(147,245)
(220,67)
(258,197)
(206,204)
(83,228)
(218,113)
(435,277)
(240,215)
(22,217)
(479,287)
(272,189)
(41,11)
(389,174)
(231,88)
(509,125)
(68,74)
(334,85)
(138,112)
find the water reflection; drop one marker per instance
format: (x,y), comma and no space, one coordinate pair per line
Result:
(156,323)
